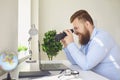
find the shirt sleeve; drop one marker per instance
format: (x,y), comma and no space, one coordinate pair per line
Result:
(95,54)
(69,57)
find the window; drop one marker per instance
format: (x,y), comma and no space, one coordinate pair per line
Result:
(24,23)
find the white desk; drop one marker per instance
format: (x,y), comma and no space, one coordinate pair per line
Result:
(85,75)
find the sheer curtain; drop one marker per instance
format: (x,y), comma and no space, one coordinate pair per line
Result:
(24,24)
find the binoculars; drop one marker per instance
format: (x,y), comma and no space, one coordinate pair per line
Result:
(60,36)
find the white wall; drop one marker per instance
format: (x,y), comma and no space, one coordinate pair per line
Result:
(35,20)
(8,24)
(55,14)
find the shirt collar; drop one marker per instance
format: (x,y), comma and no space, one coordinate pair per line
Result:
(93,33)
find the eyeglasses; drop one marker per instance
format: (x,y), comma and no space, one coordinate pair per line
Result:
(68,75)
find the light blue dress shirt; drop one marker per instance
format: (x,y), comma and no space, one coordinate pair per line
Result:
(100,55)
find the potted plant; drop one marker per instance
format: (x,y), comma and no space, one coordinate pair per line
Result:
(22,48)
(50,46)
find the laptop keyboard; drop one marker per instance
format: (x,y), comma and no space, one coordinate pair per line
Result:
(53,66)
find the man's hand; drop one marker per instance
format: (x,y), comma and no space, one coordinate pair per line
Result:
(68,39)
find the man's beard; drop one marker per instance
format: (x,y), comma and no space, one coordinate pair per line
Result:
(84,37)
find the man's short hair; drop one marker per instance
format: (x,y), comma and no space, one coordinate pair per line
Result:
(81,15)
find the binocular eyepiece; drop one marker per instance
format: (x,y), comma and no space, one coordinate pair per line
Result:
(60,36)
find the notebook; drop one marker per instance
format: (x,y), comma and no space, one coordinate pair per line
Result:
(50,66)
(34,74)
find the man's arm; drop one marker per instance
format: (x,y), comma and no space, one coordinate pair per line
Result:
(69,57)
(95,54)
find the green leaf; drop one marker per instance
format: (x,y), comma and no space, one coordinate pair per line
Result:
(50,46)
(22,48)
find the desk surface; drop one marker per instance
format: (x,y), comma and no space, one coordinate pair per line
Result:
(84,75)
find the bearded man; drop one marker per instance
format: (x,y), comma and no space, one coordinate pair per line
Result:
(98,52)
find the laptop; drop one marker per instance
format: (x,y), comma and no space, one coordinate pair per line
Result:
(44,68)
(52,66)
